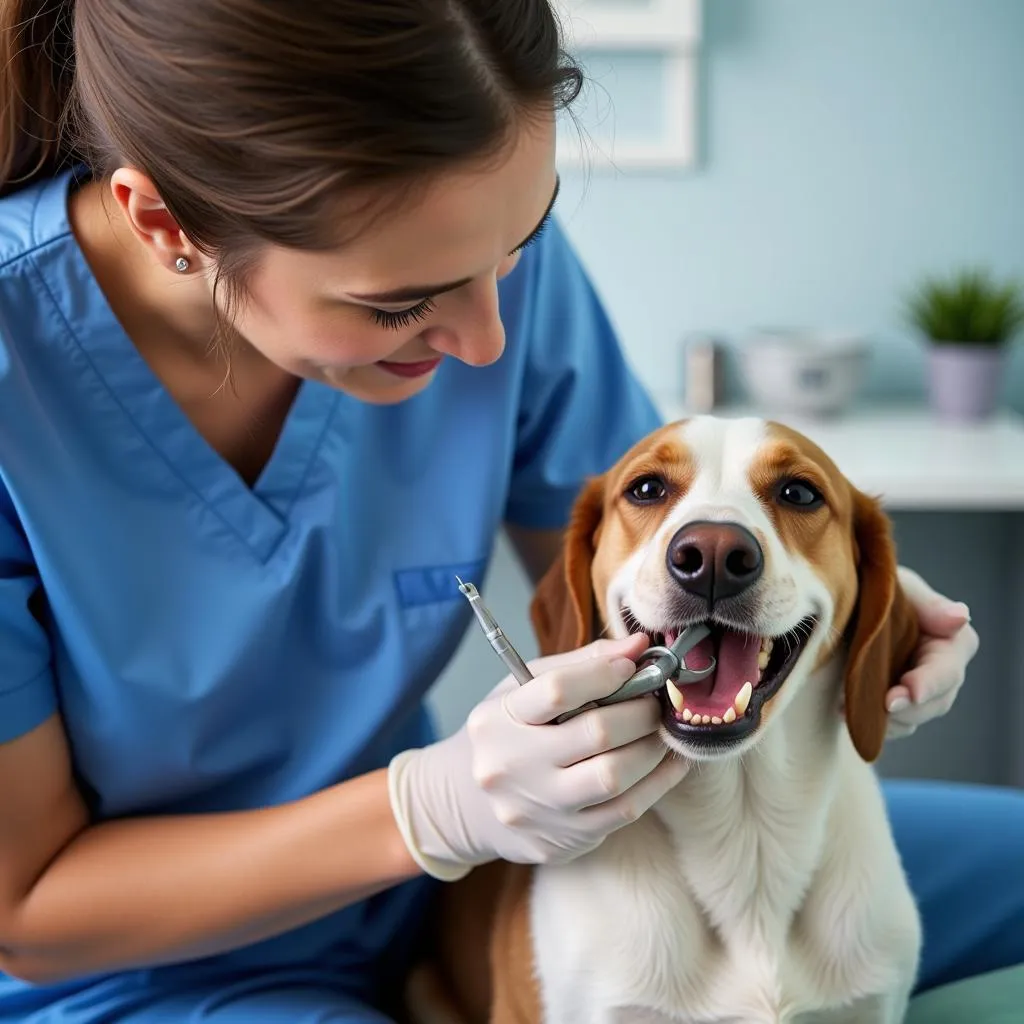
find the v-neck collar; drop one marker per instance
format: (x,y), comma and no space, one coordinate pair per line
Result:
(257,515)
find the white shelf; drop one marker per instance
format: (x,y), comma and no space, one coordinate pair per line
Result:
(906,457)
(669,31)
(658,24)
(676,146)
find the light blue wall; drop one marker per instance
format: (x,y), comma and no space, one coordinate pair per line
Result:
(846,148)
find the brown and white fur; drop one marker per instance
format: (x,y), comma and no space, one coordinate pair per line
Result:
(766,887)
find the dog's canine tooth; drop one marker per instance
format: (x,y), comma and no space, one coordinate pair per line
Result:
(729,716)
(762,660)
(675,695)
(743,698)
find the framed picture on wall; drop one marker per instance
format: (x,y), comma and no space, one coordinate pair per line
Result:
(638,108)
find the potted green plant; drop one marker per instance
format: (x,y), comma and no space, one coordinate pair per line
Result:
(968,321)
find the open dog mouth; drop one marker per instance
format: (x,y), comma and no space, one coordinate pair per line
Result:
(750,669)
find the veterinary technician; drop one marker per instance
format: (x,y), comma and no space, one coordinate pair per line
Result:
(287,333)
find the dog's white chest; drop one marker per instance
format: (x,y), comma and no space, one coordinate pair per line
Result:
(610,937)
(699,931)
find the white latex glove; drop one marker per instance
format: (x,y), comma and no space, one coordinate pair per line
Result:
(511,786)
(947,645)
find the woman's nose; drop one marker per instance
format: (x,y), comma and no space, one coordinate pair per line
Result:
(472,331)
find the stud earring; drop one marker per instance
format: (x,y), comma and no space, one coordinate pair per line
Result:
(181,264)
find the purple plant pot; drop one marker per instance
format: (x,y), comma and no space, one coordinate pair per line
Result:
(964,381)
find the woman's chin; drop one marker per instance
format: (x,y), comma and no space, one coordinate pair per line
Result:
(376,386)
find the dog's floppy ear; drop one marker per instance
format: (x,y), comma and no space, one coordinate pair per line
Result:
(885,629)
(562,610)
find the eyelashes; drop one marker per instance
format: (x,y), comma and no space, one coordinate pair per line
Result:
(533,238)
(403,317)
(397,321)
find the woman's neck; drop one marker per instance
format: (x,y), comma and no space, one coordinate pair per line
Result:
(150,302)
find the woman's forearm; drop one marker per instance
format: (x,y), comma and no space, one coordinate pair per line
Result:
(155,890)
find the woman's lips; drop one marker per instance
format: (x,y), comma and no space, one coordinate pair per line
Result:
(417,369)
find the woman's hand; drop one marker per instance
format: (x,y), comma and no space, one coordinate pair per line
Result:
(512,785)
(947,645)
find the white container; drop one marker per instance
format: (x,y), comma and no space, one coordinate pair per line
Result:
(804,372)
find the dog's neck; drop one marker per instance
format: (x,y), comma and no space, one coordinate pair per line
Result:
(751,828)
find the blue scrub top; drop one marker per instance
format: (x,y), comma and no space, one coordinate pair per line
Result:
(214,647)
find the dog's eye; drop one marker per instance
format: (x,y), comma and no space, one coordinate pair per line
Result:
(646,489)
(801,494)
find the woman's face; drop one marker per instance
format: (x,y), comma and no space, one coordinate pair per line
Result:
(376,317)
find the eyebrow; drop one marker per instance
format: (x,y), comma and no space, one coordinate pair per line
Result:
(413,292)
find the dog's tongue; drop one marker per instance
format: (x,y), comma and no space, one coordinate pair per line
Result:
(737,664)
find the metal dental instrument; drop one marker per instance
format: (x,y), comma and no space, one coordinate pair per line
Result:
(656,665)
(500,643)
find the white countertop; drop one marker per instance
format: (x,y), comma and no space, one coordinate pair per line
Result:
(910,460)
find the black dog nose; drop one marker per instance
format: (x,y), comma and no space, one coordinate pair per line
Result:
(715,560)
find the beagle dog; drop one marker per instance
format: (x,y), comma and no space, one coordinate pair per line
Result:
(766,887)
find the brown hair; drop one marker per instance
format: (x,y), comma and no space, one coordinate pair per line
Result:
(253,116)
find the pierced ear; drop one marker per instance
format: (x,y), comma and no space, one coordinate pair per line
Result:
(148,217)
(562,610)
(885,630)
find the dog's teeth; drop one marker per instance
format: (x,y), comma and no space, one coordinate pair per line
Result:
(705,719)
(767,643)
(762,660)
(715,720)
(743,699)
(674,695)
(729,716)
(687,714)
